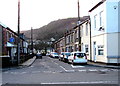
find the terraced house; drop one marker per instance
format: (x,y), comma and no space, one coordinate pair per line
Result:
(70,41)
(8,45)
(98,35)
(105,31)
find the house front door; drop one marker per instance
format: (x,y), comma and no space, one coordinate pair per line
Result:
(94,51)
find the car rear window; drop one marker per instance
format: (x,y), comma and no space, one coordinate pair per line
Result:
(55,53)
(68,54)
(80,54)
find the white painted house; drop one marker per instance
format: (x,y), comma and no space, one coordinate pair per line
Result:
(105,31)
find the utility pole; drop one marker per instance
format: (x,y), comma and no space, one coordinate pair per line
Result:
(79,31)
(32,40)
(18,46)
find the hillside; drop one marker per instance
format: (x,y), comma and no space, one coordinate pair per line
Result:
(54,29)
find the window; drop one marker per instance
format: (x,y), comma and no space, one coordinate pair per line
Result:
(81,31)
(86,29)
(101,18)
(69,40)
(95,21)
(77,33)
(100,50)
(72,38)
(86,48)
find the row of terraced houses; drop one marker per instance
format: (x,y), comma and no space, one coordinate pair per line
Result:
(8,46)
(97,35)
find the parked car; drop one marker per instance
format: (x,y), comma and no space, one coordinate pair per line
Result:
(39,55)
(66,55)
(54,55)
(48,54)
(61,56)
(77,57)
(43,54)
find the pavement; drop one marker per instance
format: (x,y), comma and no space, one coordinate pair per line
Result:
(31,61)
(104,65)
(28,62)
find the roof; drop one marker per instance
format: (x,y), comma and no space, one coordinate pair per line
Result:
(101,2)
(3,25)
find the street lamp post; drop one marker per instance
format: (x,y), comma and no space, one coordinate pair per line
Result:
(18,46)
(32,40)
(79,35)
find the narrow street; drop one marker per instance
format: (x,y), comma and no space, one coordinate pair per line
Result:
(52,71)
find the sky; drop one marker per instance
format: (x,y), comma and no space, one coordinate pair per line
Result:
(37,13)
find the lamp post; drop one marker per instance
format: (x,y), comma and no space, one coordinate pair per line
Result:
(18,46)
(79,35)
(32,40)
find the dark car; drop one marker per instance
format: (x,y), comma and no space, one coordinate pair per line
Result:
(39,55)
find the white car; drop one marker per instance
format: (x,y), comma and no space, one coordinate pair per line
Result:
(77,57)
(61,56)
(54,55)
(66,55)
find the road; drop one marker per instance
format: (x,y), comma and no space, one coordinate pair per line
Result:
(52,71)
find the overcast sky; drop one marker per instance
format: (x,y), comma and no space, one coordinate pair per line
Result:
(37,13)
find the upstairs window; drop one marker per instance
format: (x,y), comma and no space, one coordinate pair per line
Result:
(95,21)
(86,29)
(101,19)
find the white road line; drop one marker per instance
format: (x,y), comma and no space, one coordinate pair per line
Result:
(63,68)
(92,70)
(114,69)
(77,66)
(84,70)
(88,82)
(23,73)
(47,71)
(56,63)
(67,70)
(31,66)
(104,70)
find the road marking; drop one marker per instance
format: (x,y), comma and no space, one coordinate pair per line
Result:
(104,70)
(82,70)
(92,70)
(47,71)
(14,72)
(56,63)
(23,73)
(77,66)
(31,66)
(90,82)
(67,70)
(114,69)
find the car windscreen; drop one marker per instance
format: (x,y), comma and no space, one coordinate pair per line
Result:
(80,54)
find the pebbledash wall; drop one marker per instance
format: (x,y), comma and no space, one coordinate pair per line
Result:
(105,31)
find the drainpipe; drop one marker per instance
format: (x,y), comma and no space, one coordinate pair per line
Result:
(90,42)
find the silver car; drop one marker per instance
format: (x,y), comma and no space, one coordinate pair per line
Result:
(77,57)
